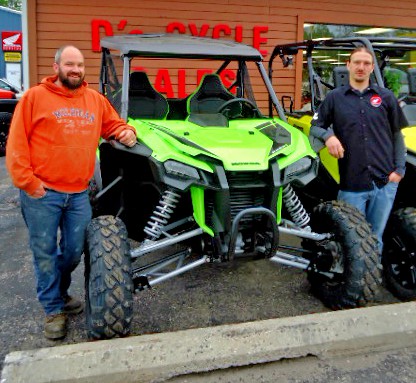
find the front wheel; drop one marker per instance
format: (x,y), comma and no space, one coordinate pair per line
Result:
(399,255)
(344,272)
(108,280)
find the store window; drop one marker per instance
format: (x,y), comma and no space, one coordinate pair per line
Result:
(324,66)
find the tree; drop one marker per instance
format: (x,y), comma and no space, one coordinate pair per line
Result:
(315,31)
(13,4)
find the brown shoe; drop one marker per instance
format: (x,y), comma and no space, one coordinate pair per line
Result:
(72,305)
(55,326)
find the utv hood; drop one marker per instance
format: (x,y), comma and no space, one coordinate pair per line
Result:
(235,148)
(243,145)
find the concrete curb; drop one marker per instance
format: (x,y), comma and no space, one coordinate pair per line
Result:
(158,357)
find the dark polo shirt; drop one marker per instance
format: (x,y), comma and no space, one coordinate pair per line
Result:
(368,125)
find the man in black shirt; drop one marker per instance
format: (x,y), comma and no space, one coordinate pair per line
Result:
(361,124)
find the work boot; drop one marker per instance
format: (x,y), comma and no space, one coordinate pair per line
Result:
(72,305)
(55,326)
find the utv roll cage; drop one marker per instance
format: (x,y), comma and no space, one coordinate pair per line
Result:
(382,48)
(181,47)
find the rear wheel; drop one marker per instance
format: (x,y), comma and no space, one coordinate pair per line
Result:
(399,255)
(344,273)
(108,280)
(5,119)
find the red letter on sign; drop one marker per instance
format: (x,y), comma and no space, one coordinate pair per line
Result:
(95,32)
(136,32)
(221,28)
(228,77)
(194,30)
(181,83)
(163,83)
(257,40)
(171,27)
(239,34)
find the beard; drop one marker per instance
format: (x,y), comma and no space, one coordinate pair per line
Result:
(70,83)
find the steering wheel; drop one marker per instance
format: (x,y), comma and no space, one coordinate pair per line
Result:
(247,109)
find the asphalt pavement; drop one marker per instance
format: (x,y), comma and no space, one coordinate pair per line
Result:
(245,321)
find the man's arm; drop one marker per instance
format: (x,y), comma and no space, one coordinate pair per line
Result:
(398,121)
(399,157)
(321,130)
(18,154)
(114,126)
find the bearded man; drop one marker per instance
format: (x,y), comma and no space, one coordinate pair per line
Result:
(50,157)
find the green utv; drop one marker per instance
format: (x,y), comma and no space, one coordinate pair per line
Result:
(210,180)
(324,69)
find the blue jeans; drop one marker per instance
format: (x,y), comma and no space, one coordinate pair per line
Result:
(70,213)
(375,204)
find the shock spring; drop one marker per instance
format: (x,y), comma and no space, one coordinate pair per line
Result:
(295,208)
(161,214)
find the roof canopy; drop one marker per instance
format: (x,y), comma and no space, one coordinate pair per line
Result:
(179,45)
(382,44)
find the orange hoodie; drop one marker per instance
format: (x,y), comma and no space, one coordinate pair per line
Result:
(54,135)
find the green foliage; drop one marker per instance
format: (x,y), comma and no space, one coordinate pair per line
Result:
(392,80)
(315,31)
(12,4)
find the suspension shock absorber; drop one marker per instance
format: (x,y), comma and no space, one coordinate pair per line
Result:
(295,208)
(161,214)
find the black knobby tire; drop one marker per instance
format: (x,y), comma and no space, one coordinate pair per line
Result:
(357,282)
(399,254)
(5,119)
(108,279)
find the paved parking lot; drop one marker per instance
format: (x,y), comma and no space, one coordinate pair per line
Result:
(211,295)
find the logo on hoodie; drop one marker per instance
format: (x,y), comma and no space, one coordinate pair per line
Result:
(74,112)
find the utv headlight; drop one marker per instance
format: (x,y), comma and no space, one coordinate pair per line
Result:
(180,169)
(298,167)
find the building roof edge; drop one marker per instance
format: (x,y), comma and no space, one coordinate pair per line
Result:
(10,10)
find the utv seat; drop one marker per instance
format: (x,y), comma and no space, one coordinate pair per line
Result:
(409,111)
(340,76)
(411,77)
(204,103)
(144,100)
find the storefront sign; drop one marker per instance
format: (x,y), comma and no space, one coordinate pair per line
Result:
(163,80)
(11,41)
(12,57)
(205,30)
(164,84)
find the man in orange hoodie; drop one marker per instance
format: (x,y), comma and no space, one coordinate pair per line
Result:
(50,157)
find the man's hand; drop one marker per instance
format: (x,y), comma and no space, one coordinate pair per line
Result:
(39,192)
(335,147)
(395,177)
(127,137)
